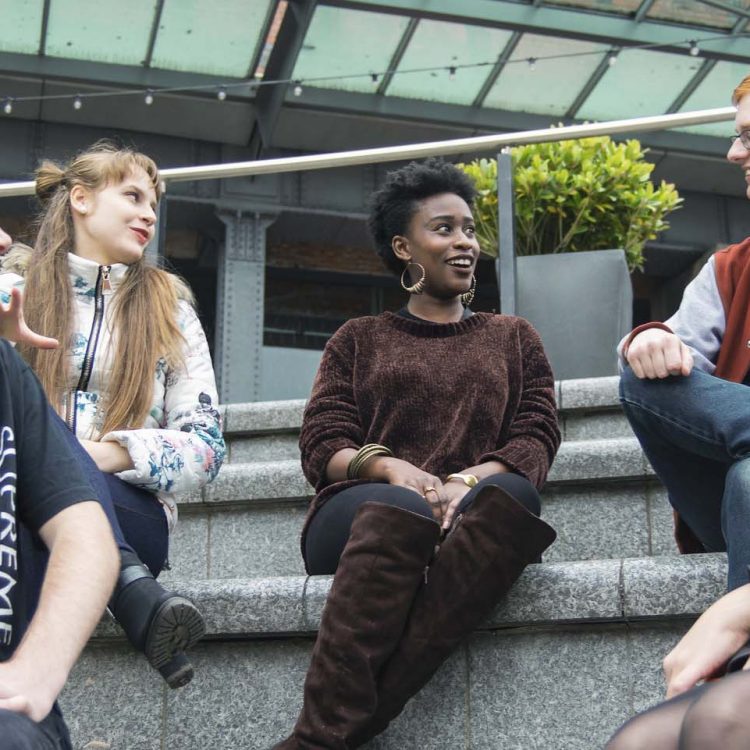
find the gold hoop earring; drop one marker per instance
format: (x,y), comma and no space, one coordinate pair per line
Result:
(417,288)
(468,297)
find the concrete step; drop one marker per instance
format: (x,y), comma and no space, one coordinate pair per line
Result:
(269,430)
(602,498)
(573,651)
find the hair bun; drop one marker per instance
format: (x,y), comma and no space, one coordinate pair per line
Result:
(49,177)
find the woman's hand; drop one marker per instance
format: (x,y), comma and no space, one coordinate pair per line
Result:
(108,456)
(13,326)
(455,491)
(402,473)
(705,649)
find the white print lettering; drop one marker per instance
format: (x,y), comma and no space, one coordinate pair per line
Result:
(8,534)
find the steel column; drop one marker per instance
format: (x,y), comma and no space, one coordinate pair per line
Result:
(238,357)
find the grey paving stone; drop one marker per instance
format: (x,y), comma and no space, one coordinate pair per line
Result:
(598,459)
(598,425)
(244,695)
(272,480)
(256,543)
(609,521)
(247,449)
(538,691)
(106,690)
(264,416)
(436,718)
(188,549)
(562,592)
(648,644)
(673,586)
(587,393)
(661,522)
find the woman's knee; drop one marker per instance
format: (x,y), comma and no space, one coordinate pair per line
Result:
(519,488)
(401,497)
(719,717)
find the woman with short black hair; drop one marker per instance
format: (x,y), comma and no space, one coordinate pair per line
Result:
(430,426)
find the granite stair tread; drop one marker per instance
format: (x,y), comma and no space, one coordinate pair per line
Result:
(546,594)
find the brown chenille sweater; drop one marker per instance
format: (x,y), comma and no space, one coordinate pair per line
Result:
(441,396)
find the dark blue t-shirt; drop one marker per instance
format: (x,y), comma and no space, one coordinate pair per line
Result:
(39,477)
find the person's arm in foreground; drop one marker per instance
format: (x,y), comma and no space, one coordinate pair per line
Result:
(691,337)
(73,597)
(705,649)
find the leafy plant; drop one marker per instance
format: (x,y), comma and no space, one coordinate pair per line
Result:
(585,194)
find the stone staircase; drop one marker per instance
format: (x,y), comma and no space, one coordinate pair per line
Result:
(571,653)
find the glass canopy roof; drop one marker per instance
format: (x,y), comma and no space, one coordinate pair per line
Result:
(562,59)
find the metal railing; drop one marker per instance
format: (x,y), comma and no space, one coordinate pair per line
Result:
(420,150)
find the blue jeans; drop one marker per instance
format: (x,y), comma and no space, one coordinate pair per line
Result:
(136,516)
(21,733)
(695,431)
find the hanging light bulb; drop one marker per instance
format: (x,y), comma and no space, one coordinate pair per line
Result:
(612,60)
(532,63)
(8,106)
(452,72)
(77,103)
(149,98)
(298,88)
(221,94)
(695,50)
(374,77)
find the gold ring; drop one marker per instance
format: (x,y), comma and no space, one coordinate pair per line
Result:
(430,489)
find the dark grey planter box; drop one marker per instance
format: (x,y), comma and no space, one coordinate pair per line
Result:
(581,304)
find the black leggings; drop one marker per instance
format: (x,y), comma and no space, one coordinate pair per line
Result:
(329,529)
(713,715)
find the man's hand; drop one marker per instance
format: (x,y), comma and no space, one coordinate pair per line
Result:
(13,326)
(24,693)
(655,353)
(109,457)
(705,649)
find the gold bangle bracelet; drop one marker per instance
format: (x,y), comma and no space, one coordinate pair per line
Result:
(364,454)
(470,480)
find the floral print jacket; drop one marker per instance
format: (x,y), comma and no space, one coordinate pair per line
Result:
(180,447)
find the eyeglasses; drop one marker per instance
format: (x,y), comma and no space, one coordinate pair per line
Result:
(744,138)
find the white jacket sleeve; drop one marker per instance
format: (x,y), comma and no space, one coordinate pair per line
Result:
(187,448)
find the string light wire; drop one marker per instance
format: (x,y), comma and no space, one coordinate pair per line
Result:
(221,89)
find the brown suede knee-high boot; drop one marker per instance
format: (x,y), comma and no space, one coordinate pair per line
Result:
(476,565)
(378,575)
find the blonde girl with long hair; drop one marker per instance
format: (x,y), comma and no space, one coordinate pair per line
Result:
(122,357)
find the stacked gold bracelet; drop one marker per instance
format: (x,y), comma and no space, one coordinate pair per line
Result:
(364,454)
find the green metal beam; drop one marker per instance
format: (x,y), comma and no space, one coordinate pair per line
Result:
(604,28)
(643,9)
(37,68)
(280,66)
(153,34)
(398,55)
(708,65)
(591,84)
(497,69)
(726,7)
(45,24)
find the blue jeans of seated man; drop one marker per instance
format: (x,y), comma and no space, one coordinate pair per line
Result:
(695,431)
